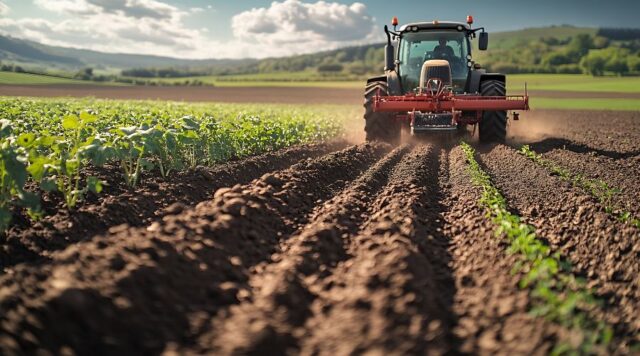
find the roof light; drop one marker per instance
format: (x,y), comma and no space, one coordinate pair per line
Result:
(394,21)
(435,22)
(469,19)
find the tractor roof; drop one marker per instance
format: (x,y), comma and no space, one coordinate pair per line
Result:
(435,25)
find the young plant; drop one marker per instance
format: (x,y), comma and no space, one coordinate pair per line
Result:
(132,146)
(13,176)
(164,144)
(62,171)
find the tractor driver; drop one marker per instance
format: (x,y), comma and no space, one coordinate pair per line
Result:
(442,50)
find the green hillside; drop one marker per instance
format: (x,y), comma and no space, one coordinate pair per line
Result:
(36,56)
(511,39)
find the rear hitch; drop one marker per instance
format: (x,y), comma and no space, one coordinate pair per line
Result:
(516,116)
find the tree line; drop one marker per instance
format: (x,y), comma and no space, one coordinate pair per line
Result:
(583,53)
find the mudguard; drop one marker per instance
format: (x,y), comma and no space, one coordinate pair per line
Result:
(392,80)
(477,76)
(380,78)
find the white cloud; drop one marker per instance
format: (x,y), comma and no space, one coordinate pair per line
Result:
(155,27)
(137,8)
(4,9)
(131,26)
(319,25)
(127,8)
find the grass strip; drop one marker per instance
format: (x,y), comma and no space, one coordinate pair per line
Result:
(596,187)
(557,294)
(616,104)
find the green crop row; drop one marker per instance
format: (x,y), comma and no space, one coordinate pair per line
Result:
(49,143)
(557,294)
(596,187)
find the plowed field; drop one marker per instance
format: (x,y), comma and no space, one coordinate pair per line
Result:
(336,249)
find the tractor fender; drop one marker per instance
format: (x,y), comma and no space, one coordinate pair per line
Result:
(380,78)
(392,80)
(478,76)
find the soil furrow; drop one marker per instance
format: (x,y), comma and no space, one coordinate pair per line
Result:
(621,174)
(155,198)
(394,295)
(600,248)
(150,288)
(282,290)
(492,311)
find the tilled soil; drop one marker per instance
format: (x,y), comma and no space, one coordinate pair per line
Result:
(602,249)
(364,249)
(151,200)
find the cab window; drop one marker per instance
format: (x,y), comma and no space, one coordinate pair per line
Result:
(418,47)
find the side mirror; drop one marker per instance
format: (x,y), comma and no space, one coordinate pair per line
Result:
(483,41)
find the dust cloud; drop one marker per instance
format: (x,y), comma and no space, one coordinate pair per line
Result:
(532,126)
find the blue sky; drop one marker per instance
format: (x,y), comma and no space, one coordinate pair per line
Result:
(252,28)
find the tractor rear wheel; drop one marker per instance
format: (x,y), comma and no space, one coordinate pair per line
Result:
(493,126)
(379,126)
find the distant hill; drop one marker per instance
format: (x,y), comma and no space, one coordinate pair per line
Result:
(16,50)
(36,55)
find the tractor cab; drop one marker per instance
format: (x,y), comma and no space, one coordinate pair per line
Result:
(418,44)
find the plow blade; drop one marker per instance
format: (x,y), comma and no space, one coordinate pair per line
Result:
(450,103)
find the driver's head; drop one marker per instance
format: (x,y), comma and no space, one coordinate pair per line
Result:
(443,42)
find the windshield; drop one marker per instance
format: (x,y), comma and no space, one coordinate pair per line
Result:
(418,47)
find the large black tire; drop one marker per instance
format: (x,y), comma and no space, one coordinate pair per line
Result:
(493,126)
(379,126)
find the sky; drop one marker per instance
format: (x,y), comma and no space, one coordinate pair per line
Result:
(200,29)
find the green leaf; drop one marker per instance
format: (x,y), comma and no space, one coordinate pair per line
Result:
(94,184)
(26,139)
(5,218)
(48,185)
(188,123)
(70,122)
(146,164)
(130,130)
(87,118)
(5,128)
(16,169)
(48,141)
(37,167)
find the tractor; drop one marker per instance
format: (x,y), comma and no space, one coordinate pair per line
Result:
(432,85)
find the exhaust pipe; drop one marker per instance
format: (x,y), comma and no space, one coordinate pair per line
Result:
(389,63)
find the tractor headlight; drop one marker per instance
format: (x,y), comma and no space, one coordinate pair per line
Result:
(468,56)
(460,28)
(469,64)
